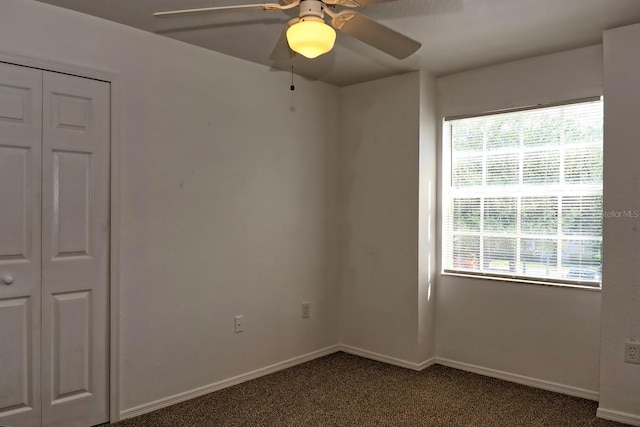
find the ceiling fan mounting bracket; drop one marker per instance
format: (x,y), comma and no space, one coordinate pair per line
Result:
(338,20)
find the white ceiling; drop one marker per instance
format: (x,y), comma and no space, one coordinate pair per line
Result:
(456,34)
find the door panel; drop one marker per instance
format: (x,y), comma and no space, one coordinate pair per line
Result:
(15,224)
(71,231)
(75,229)
(16,392)
(72,345)
(20,250)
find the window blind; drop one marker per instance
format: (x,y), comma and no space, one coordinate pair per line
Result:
(523,194)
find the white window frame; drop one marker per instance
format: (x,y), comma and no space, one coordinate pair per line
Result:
(446,176)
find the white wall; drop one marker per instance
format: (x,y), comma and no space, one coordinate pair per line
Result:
(620,382)
(549,334)
(380,289)
(227,183)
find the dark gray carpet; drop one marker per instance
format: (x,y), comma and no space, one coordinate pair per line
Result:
(346,390)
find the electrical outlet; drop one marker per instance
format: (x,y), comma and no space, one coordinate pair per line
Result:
(632,352)
(238,324)
(306,309)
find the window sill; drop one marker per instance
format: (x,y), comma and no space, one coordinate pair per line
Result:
(523,281)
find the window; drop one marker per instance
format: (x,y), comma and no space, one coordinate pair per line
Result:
(523,194)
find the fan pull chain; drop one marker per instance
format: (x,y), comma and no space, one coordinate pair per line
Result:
(293,87)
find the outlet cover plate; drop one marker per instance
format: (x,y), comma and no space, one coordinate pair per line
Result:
(238,324)
(306,310)
(632,352)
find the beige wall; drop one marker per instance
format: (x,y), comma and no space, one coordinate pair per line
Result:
(550,335)
(240,197)
(619,381)
(225,195)
(427,219)
(386,125)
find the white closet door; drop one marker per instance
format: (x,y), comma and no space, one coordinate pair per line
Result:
(75,255)
(20,269)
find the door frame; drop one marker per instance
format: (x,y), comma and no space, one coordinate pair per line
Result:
(114,203)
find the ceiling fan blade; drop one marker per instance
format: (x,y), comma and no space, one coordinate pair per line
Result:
(370,2)
(282,51)
(355,3)
(375,34)
(221,9)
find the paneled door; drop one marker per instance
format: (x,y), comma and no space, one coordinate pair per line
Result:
(75,251)
(54,249)
(20,267)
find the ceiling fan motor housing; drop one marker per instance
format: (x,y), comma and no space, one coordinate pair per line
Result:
(311,8)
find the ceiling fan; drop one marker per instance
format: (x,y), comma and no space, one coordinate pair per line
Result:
(309,35)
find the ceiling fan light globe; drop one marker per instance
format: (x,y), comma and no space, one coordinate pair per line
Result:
(311,37)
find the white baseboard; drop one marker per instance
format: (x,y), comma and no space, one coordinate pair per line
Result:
(521,379)
(200,391)
(386,359)
(621,417)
